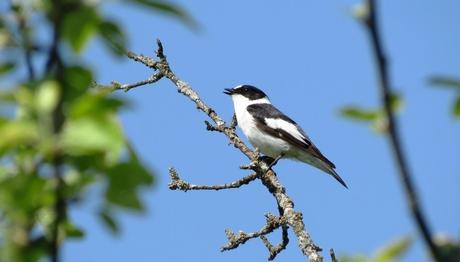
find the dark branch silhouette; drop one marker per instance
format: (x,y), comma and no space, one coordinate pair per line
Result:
(54,65)
(332,254)
(288,217)
(371,22)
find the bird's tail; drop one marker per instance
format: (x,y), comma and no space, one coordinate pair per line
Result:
(327,167)
(334,174)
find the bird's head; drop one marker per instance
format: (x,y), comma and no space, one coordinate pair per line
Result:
(247,94)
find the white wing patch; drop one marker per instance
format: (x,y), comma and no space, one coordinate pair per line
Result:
(286,126)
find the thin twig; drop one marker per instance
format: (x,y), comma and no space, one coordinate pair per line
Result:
(147,61)
(275,250)
(178,183)
(371,22)
(25,38)
(59,208)
(234,122)
(211,127)
(272,223)
(126,87)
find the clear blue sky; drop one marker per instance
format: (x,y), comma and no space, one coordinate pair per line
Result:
(311,58)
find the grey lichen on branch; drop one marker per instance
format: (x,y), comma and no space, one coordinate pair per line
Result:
(273,222)
(288,216)
(178,183)
(126,87)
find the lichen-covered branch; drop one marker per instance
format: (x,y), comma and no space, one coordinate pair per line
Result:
(234,122)
(178,183)
(288,216)
(126,87)
(275,250)
(234,240)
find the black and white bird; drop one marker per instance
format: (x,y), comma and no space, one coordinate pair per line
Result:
(273,133)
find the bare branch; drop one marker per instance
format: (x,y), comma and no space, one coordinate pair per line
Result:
(147,61)
(275,250)
(21,18)
(126,87)
(295,219)
(211,127)
(405,176)
(273,222)
(234,122)
(251,166)
(178,183)
(288,215)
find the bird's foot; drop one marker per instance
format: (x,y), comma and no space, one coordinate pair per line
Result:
(266,159)
(270,161)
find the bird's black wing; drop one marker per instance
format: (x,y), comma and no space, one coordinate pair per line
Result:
(262,112)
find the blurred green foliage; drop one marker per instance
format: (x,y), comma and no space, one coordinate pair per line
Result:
(389,253)
(59,136)
(452,83)
(394,251)
(375,117)
(448,247)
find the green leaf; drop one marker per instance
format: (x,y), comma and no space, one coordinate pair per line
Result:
(456,107)
(445,81)
(93,128)
(79,26)
(113,37)
(96,104)
(47,97)
(361,11)
(73,231)
(89,135)
(20,206)
(88,164)
(360,114)
(125,179)
(16,133)
(6,67)
(77,82)
(356,258)
(396,103)
(8,95)
(449,248)
(25,98)
(451,83)
(377,118)
(6,38)
(168,9)
(109,221)
(380,125)
(36,250)
(76,181)
(393,251)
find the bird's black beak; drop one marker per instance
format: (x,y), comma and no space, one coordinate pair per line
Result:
(228,91)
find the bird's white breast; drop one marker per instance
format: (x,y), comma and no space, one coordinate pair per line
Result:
(267,145)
